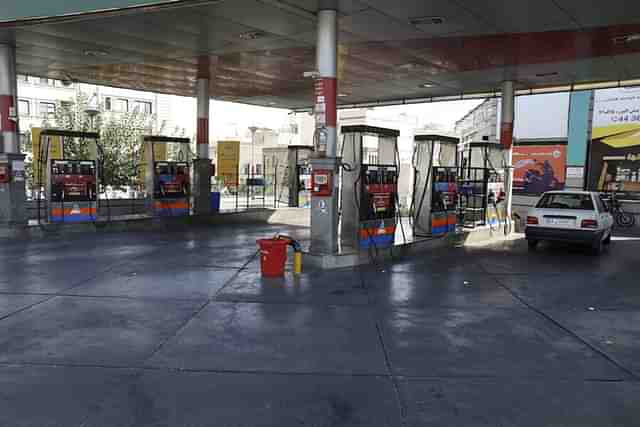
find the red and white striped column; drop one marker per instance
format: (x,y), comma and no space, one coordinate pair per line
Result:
(506,140)
(326,82)
(202,95)
(12,186)
(9,142)
(324,207)
(507,115)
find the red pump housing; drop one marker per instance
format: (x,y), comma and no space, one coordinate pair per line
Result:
(73,180)
(321,183)
(5,173)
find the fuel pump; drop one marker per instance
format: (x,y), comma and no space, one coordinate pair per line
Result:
(378,205)
(71,184)
(435,191)
(289,171)
(482,188)
(167,182)
(369,186)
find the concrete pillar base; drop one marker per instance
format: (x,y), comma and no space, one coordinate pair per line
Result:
(13,210)
(201,187)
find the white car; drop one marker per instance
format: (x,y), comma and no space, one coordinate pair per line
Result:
(570,216)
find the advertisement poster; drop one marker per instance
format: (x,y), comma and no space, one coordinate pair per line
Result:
(539,167)
(54,144)
(614,155)
(229,162)
(159,155)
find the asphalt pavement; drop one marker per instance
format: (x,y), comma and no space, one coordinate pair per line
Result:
(180,329)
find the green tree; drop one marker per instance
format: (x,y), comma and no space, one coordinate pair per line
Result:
(119,146)
(72,115)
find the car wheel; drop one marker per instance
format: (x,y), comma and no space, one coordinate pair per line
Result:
(532,244)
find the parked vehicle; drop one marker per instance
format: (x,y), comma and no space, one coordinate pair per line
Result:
(579,217)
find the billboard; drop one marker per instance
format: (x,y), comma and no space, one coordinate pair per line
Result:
(229,162)
(539,167)
(53,144)
(614,153)
(159,155)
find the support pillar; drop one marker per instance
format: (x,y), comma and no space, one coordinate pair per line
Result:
(506,140)
(324,209)
(12,173)
(293,178)
(202,165)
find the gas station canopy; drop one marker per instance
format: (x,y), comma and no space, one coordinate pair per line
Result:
(400,51)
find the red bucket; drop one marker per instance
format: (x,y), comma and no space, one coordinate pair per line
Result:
(273,256)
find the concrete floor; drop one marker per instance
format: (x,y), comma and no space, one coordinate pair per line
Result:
(179,329)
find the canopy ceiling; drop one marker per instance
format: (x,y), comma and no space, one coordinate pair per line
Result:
(404,50)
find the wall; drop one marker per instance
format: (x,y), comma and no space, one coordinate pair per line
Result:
(35,91)
(539,116)
(580,121)
(479,123)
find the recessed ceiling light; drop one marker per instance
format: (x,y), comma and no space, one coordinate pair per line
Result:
(272,103)
(427,20)
(426,85)
(550,74)
(342,95)
(251,35)
(95,52)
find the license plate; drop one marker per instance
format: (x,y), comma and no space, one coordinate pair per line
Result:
(561,221)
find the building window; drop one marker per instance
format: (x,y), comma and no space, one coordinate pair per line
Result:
(47,109)
(258,169)
(107,103)
(24,108)
(143,107)
(121,105)
(47,82)
(246,169)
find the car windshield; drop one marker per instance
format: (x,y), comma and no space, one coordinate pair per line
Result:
(566,201)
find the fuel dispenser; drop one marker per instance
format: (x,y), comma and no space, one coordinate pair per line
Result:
(369,186)
(167,182)
(71,184)
(288,171)
(434,207)
(482,183)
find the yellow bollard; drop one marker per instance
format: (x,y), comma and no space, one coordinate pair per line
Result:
(297,262)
